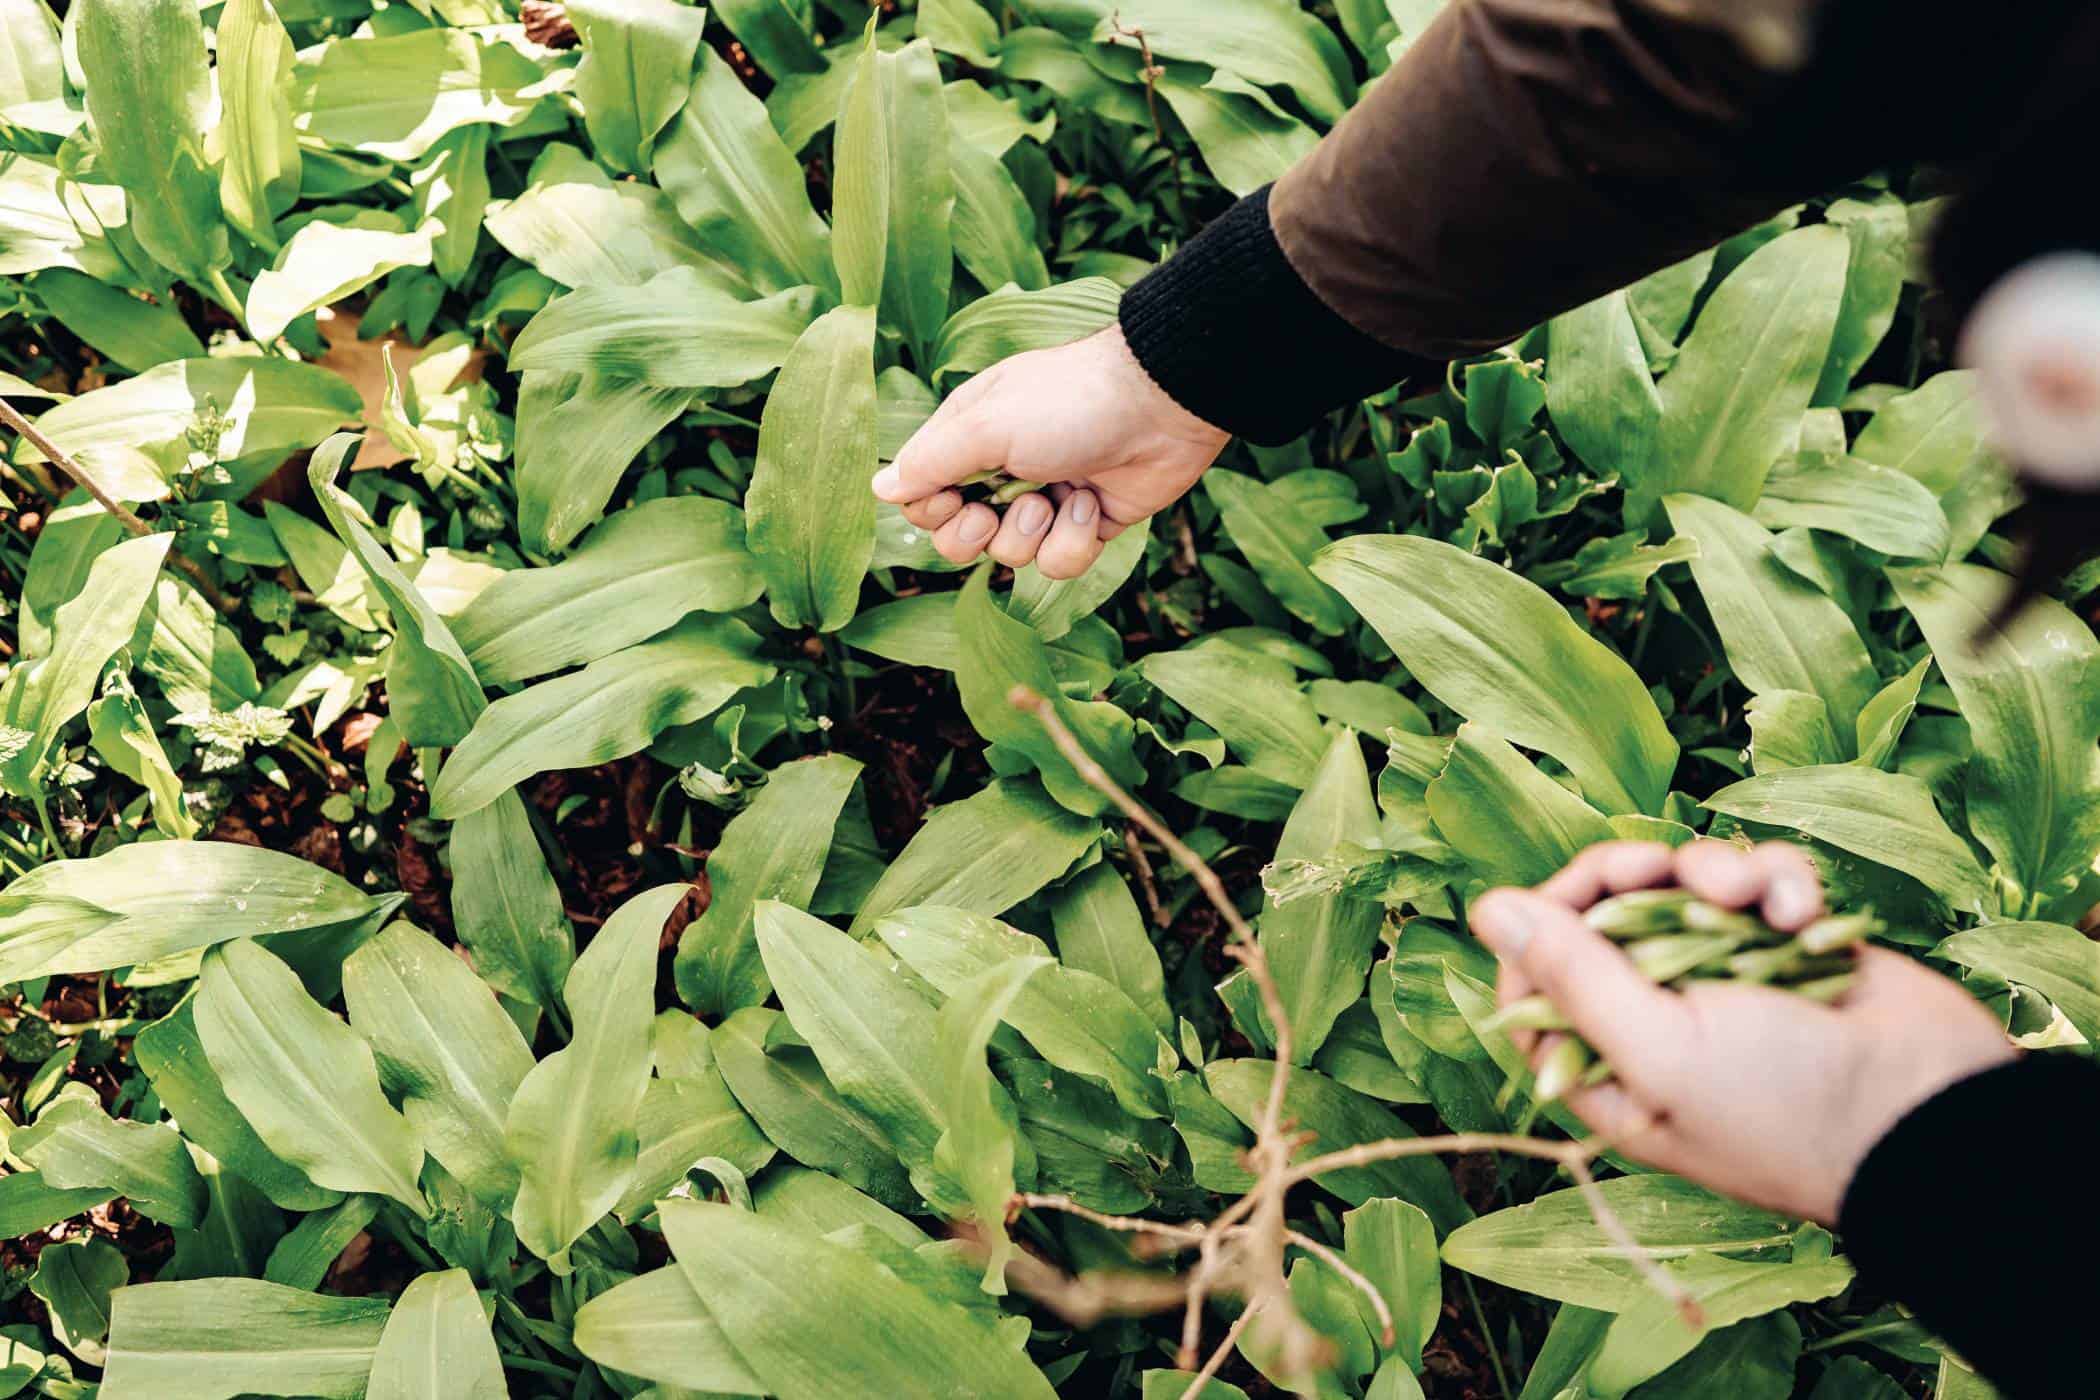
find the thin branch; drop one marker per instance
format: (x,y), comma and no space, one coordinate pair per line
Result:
(1148,883)
(1355,1279)
(125,516)
(1191,1234)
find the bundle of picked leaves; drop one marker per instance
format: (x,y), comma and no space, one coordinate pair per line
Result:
(1676,938)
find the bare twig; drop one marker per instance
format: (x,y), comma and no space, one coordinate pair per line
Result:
(125,516)
(1151,73)
(1148,883)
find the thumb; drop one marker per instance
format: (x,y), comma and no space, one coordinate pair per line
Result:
(966,435)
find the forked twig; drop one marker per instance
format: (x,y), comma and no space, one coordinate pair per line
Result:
(1242,1248)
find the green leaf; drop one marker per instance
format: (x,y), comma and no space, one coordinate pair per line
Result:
(74,535)
(1319,948)
(576,436)
(1499,650)
(1878,231)
(683,1122)
(124,737)
(571,1126)
(772,850)
(637,68)
(796,1286)
(785,1092)
(195,657)
(896,192)
(326,567)
(777,35)
(1053,607)
(1100,931)
(433,693)
(1889,818)
(1280,543)
(452,194)
(172,1055)
(2054,959)
(1512,823)
(149,91)
(611,708)
(1790,729)
(1393,1244)
(1615,566)
(1732,402)
(994,229)
(979,1139)
(1882,722)
(447,1052)
(1073,1019)
(89,630)
(74,1145)
(985,853)
(585,230)
(1011,320)
(303,1257)
(28,1203)
(259,180)
(1339,1117)
(153,899)
(1598,389)
(811,516)
(738,186)
(1652,1334)
(961,27)
(398,95)
(75,1279)
(1245,139)
(306,1082)
(1755,1360)
(1270,42)
(1780,631)
(135,333)
(999,656)
(323,263)
(2030,691)
(1252,700)
(1879,507)
(634,575)
(506,906)
(1935,433)
(656,1327)
(1553,1246)
(437,1342)
(646,334)
(218,1338)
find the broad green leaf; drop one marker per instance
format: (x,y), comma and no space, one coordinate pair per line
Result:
(505,904)
(611,708)
(1879,233)
(2030,691)
(1850,1378)
(1271,42)
(1889,818)
(218,1338)
(153,899)
(1335,1117)
(1614,566)
(1934,433)
(1246,140)
(1791,729)
(195,658)
(446,1050)
(1512,823)
(1553,1246)
(1319,948)
(2054,959)
(1072,1018)
(1882,722)
(772,850)
(824,1204)
(991,124)
(240,1233)
(1732,402)
(810,515)
(1000,656)
(861,159)
(1010,320)
(576,436)
(1500,651)
(1172,1385)
(873,1033)
(306,1082)
(589,231)
(32,67)
(75,1279)
(1652,1334)
(785,1092)
(259,180)
(172,1055)
(985,853)
(776,33)
(633,576)
(979,1139)
(655,1326)
(961,27)
(149,91)
(737,185)
(75,534)
(637,68)
(89,630)
(1393,1244)
(1100,931)
(1598,389)
(437,1342)
(679,330)
(1780,631)
(303,1257)
(136,334)
(1054,607)
(452,194)
(1252,700)
(900,191)
(396,96)
(123,735)
(74,1145)
(995,232)
(795,1286)
(1280,543)
(433,694)
(326,566)
(28,1203)
(684,1121)
(571,1128)
(323,263)
(1879,507)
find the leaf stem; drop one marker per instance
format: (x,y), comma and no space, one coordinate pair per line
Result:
(1487,1337)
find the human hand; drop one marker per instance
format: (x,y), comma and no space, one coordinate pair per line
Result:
(1085,418)
(1755,1092)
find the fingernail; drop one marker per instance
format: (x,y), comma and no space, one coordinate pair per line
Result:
(887,481)
(978,528)
(1032,516)
(1083,508)
(1502,921)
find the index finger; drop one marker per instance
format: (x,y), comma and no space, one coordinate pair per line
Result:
(1610,867)
(959,441)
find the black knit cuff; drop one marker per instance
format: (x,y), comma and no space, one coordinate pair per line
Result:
(1228,328)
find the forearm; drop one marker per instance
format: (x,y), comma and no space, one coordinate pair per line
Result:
(1949,1215)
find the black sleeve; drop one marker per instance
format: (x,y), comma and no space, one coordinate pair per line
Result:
(1974,1213)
